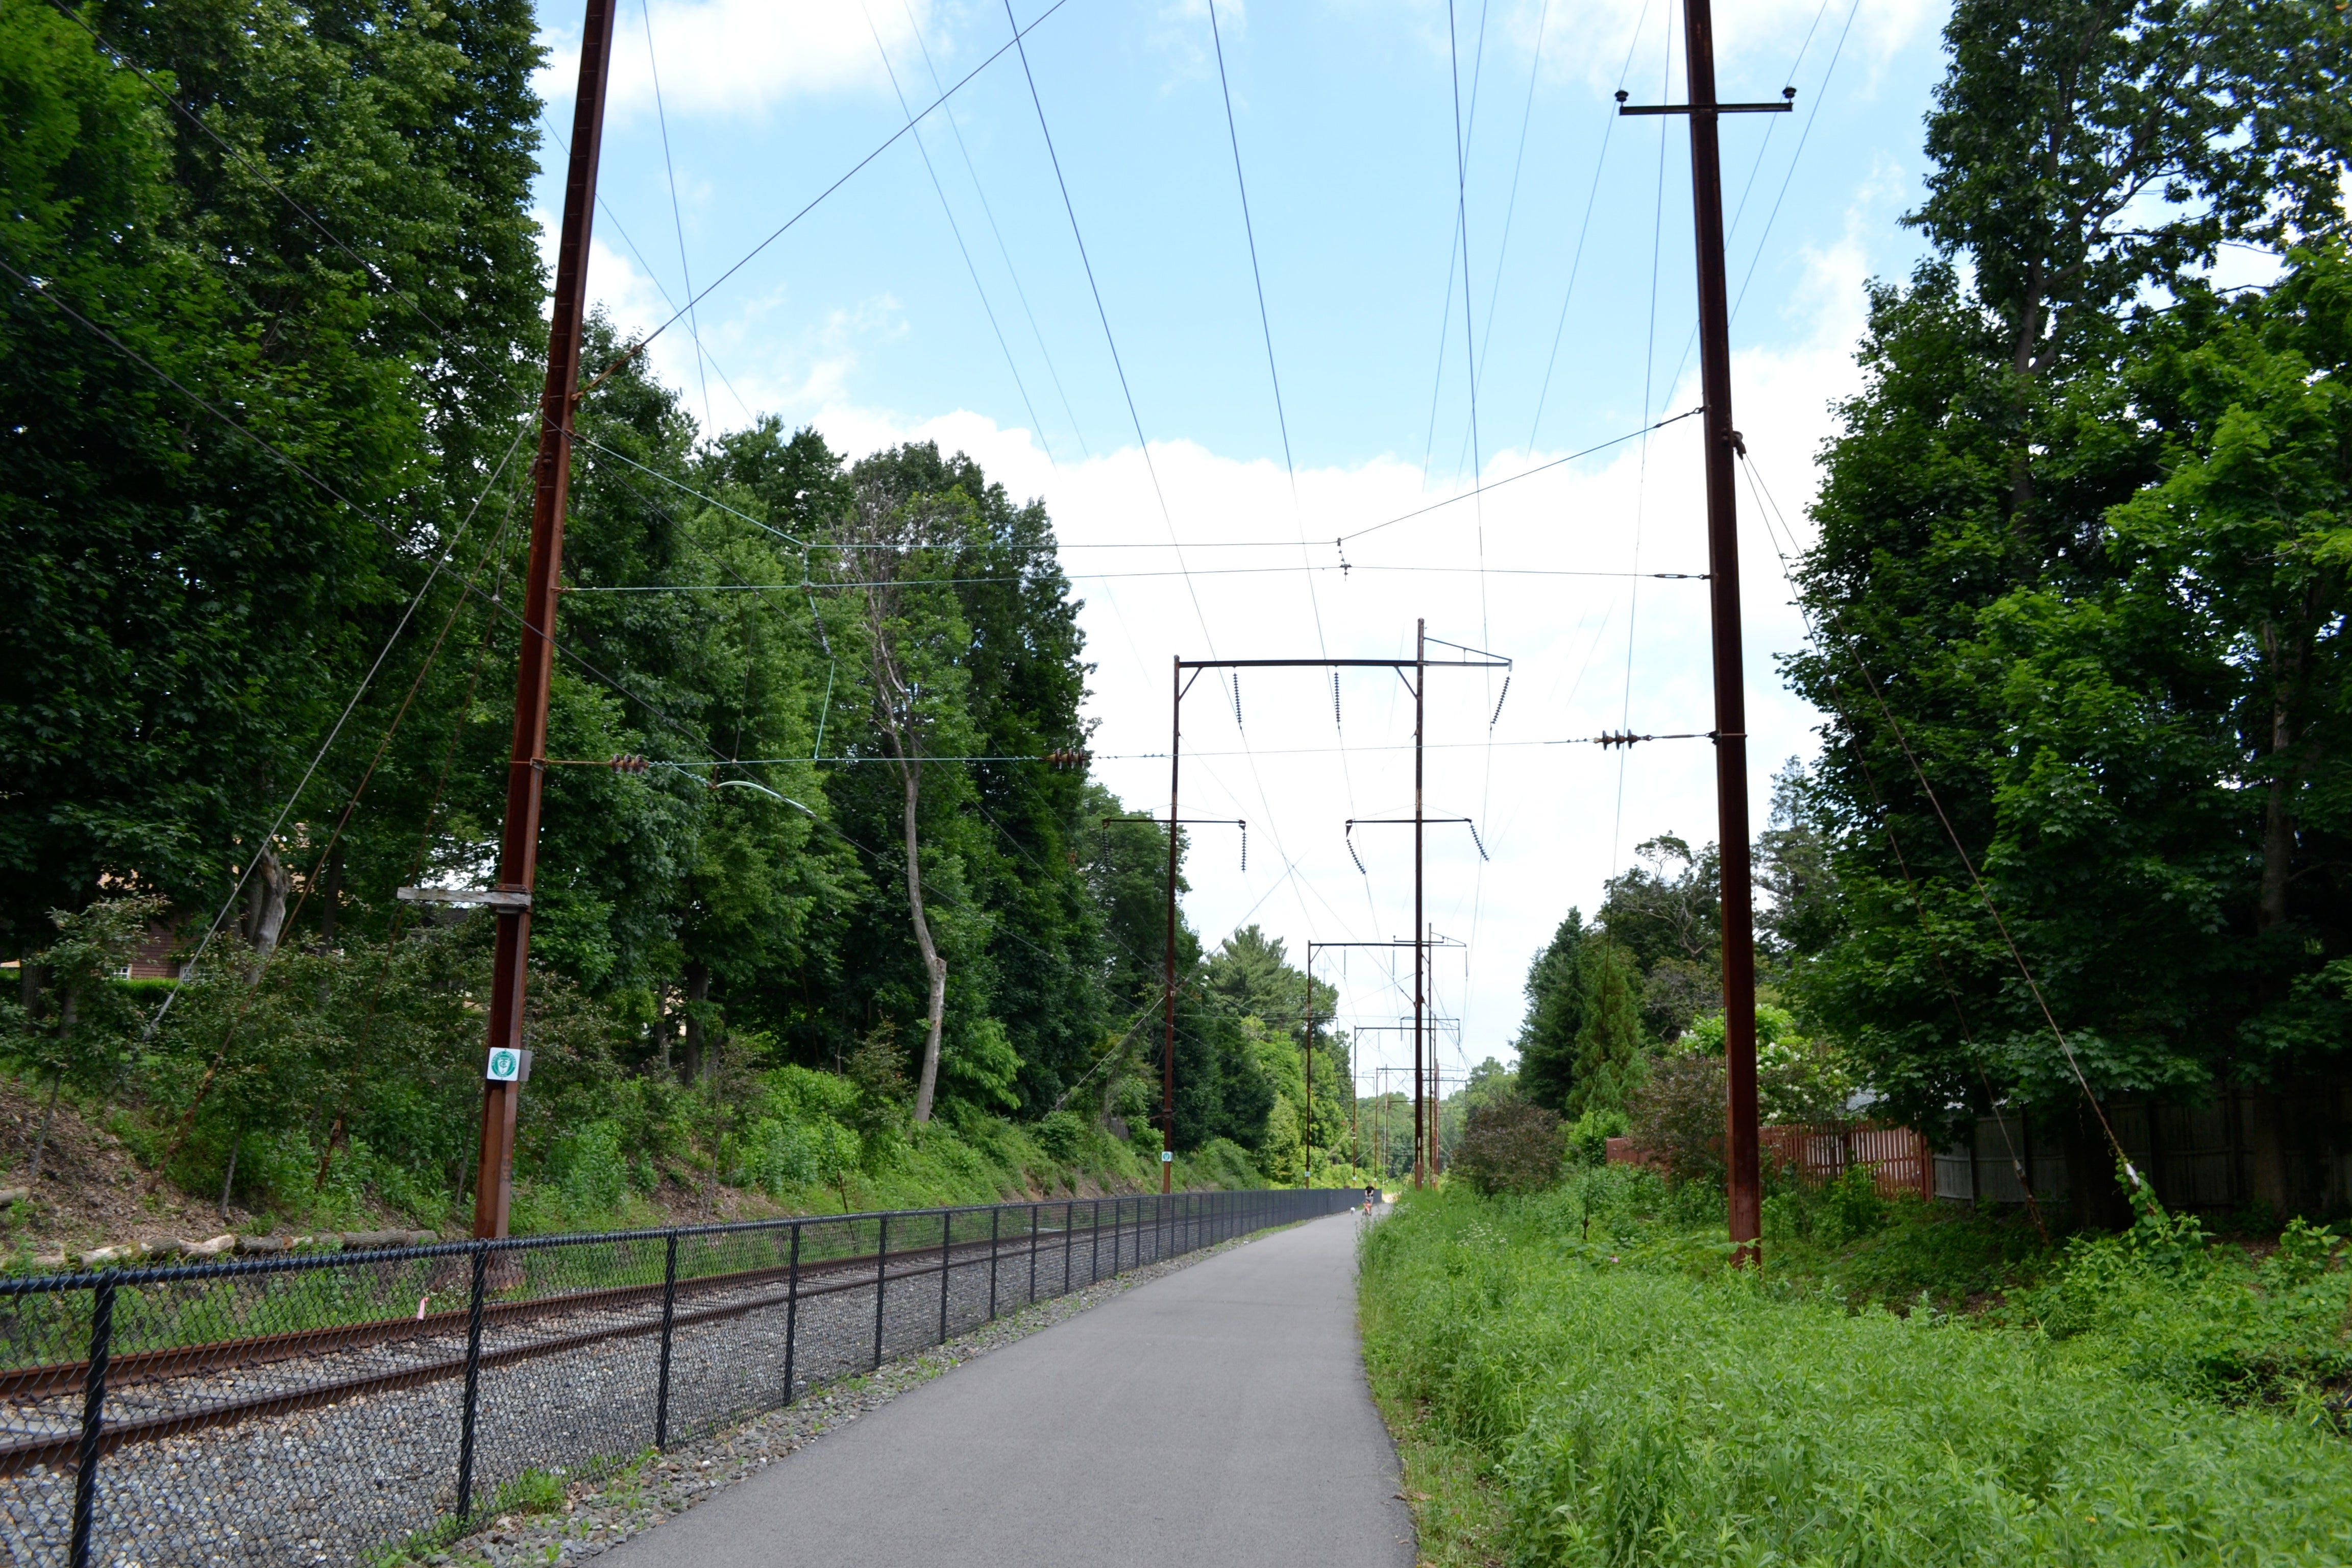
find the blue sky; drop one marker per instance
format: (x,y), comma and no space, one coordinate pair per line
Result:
(871,319)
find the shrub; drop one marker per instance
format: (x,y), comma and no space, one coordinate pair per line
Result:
(1676,1117)
(1509,1146)
(590,1169)
(1588,1137)
(1063,1135)
(773,1155)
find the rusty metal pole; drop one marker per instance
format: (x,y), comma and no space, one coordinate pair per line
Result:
(1168,1047)
(1721,440)
(526,767)
(1420,1142)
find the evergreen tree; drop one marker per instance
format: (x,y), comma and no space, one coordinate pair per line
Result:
(1609,1037)
(1547,1042)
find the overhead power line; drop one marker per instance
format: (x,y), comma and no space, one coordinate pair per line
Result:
(1249,231)
(963,250)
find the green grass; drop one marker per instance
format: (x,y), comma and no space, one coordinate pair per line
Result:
(1629,1400)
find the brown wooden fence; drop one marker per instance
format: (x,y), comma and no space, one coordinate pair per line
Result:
(1898,1159)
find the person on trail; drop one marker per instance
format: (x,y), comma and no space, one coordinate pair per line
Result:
(1372,1196)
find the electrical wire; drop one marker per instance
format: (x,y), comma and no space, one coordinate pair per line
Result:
(1078,235)
(1642,478)
(852,173)
(661,119)
(1003,251)
(1249,231)
(962,248)
(1576,260)
(1129,576)
(1968,862)
(1110,340)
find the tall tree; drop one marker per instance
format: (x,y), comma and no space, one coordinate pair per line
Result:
(194,606)
(1608,1042)
(2001,622)
(896,553)
(1547,1042)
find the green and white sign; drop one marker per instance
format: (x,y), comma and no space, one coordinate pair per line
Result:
(506,1065)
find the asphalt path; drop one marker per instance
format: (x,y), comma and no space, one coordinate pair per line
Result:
(1217,1416)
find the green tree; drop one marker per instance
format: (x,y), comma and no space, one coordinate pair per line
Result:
(1994,607)
(1666,913)
(1547,1042)
(77,1017)
(193,608)
(1608,1043)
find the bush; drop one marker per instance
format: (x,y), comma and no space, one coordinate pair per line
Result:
(1063,1135)
(1676,1117)
(1588,1137)
(773,1155)
(1509,1146)
(590,1169)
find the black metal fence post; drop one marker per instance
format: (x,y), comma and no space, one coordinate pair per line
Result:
(881,1269)
(792,1311)
(995,1223)
(473,1381)
(670,1313)
(93,1421)
(1069,1240)
(947,1236)
(1034,1212)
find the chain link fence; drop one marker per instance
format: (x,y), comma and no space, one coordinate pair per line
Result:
(340,1408)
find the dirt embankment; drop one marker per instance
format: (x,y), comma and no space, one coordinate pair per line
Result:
(93,1191)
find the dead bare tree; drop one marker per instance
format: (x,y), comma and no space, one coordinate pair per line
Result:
(889,545)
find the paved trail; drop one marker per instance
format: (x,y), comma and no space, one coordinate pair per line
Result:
(1215,1418)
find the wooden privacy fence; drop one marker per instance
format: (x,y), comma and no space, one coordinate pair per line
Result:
(1899,1160)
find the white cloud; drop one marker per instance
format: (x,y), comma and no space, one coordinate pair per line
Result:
(736,57)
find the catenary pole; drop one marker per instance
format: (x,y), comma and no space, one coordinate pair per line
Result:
(527,761)
(1168,979)
(1420,666)
(1420,1142)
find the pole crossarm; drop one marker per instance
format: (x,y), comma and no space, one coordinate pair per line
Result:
(1788,102)
(1342,664)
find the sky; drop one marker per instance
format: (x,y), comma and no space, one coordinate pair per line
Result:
(1285,429)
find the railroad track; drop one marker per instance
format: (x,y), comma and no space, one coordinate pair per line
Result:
(749,1290)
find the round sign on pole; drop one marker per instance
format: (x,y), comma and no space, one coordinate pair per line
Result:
(506,1065)
(1167,1156)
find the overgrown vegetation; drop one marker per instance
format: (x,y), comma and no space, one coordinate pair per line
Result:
(1616,1394)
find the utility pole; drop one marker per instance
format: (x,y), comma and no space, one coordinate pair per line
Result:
(1721,441)
(527,762)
